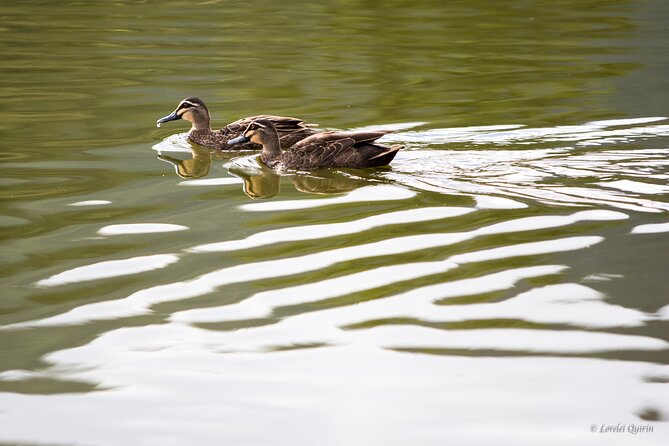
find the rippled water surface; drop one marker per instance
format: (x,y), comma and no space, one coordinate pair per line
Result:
(503,282)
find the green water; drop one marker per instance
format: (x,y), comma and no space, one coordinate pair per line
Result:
(503,281)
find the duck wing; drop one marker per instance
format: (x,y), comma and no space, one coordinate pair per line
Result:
(346,139)
(333,149)
(282,124)
(290,130)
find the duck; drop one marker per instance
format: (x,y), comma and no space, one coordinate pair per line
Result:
(321,150)
(193,109)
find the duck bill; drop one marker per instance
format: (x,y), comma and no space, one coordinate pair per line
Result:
(238,140)
(171,117)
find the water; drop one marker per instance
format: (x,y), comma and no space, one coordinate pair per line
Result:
(504,281)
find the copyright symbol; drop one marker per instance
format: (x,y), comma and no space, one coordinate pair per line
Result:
(593,428)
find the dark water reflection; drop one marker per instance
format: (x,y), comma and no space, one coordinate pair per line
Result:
(503,281)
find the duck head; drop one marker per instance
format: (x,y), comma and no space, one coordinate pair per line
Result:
(190,109)
(260,132)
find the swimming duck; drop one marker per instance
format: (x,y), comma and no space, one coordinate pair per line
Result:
(327,149)
(192,109)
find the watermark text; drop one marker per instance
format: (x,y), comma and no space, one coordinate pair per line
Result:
(621,428)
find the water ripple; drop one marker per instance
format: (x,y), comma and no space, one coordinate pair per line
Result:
(110,268)
(652,228)
(140,228)
(139,302)
(334,229)
(592,133)
(90,203)
(262,304)
(538,341)
(551,176)
(362,195)
(527,249)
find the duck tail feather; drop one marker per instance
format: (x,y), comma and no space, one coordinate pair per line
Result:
(392,149)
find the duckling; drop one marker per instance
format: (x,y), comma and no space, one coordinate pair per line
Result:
(327,149)
(193,110)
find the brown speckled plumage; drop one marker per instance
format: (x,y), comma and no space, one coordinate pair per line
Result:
(192,109)
(327,149)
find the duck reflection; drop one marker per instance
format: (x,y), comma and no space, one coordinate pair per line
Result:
(199,164)
(262,182)
(259,180)
(327,182)
(196,167)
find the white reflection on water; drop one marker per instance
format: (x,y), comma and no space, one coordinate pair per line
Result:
(259,305)
(110,268)
(636,186)
(527,249)
(506,339)
(361,389)
(389,127)
(362,195)
(539,175)
(492,202)
(591,133)
(549,221)
(652,228)
(334,229)
(90,203)
(405,304)
(140,228)
(569,304)
(664,313)
(139,302)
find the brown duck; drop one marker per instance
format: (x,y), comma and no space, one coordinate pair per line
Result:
(327,149)
(192,109)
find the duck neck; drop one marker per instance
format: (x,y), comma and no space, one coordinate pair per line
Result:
(205,137)
(201,125)
(201,133)
(271,148)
